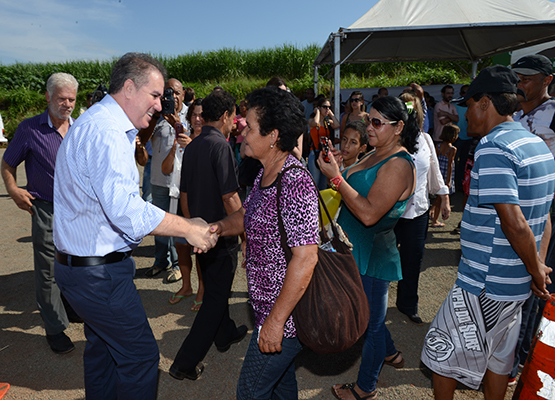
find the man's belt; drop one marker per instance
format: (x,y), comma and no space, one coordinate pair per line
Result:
(77,261)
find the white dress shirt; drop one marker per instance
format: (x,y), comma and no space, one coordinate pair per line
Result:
(428,177)
(97,205)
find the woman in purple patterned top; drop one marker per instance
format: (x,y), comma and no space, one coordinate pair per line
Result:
(274,122)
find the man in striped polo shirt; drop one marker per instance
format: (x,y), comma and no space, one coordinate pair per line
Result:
(473,336)
(36,142)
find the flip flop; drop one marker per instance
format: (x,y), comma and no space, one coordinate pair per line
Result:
(4,387)
(351,387)
(173,300)
(398,364)
(438,225)
(195,305)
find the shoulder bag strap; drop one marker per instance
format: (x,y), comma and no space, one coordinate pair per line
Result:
(283,234)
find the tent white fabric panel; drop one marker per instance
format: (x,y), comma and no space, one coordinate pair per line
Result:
(408,30)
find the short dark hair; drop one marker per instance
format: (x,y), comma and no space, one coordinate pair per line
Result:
(276,81)
(134,66)
(216,104)
(281,110)
(449,133)
(189,94)
(444,89)
(394,109)
(504,103)
(360,127)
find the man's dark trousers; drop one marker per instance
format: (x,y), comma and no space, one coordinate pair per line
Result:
(213,323)
(121,356)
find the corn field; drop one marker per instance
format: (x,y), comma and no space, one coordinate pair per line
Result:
(22,86)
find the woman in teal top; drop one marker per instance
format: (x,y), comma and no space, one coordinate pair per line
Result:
(375,192)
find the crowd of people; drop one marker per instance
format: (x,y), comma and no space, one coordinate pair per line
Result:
(201,156)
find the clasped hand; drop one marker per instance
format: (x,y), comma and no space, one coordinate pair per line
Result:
(201,237)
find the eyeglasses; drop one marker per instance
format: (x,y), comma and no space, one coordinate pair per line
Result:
(326,107)
(378,123)
(356,100)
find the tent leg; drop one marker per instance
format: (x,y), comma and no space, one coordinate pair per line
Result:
(474,68)
(315,80)
(337,77)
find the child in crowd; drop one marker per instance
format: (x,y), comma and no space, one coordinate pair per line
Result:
(353,143)
(446,157)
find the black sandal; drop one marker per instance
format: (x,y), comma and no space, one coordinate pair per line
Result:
(398,364)
(351,387)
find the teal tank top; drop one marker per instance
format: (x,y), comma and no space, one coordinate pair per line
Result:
(375,247)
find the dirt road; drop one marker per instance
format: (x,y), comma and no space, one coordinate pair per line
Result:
(35,372)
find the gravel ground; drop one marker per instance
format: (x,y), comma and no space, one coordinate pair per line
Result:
(35,372)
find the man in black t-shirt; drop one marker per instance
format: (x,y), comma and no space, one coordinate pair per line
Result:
(209,187)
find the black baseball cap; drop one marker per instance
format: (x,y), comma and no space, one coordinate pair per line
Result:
(532,65)
(496,79)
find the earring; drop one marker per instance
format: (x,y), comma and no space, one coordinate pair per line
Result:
(271,146)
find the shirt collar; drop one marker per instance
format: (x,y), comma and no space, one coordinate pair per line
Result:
(71,120)
(121,117)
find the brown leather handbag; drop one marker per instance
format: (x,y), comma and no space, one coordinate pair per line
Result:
(333,312)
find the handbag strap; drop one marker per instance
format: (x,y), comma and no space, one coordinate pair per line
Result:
(283,234)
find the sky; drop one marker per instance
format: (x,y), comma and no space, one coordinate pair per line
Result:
(68,30)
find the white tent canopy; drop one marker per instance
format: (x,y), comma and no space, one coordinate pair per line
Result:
(405,30)
(434,30)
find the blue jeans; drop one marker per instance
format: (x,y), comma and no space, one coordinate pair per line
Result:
(165,254)
(319,177)
(269,376)
(377,343)
(411,238)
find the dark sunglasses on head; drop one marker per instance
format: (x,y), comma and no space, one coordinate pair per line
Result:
(355,100)
(378,123)
(327,107)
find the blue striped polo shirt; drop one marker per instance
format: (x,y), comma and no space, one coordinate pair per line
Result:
(512,166)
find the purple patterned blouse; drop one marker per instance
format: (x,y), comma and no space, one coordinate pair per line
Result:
(266,264)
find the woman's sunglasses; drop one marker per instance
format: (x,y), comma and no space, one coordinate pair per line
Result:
(378,123)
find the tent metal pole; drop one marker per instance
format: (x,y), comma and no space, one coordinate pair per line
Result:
(315,80)
(474,68)
(337,76)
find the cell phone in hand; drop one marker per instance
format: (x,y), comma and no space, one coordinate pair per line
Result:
(178,129)
(325,149)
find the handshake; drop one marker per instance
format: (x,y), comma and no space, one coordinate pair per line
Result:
(202,236)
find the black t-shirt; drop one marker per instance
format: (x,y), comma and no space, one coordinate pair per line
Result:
(208,172)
